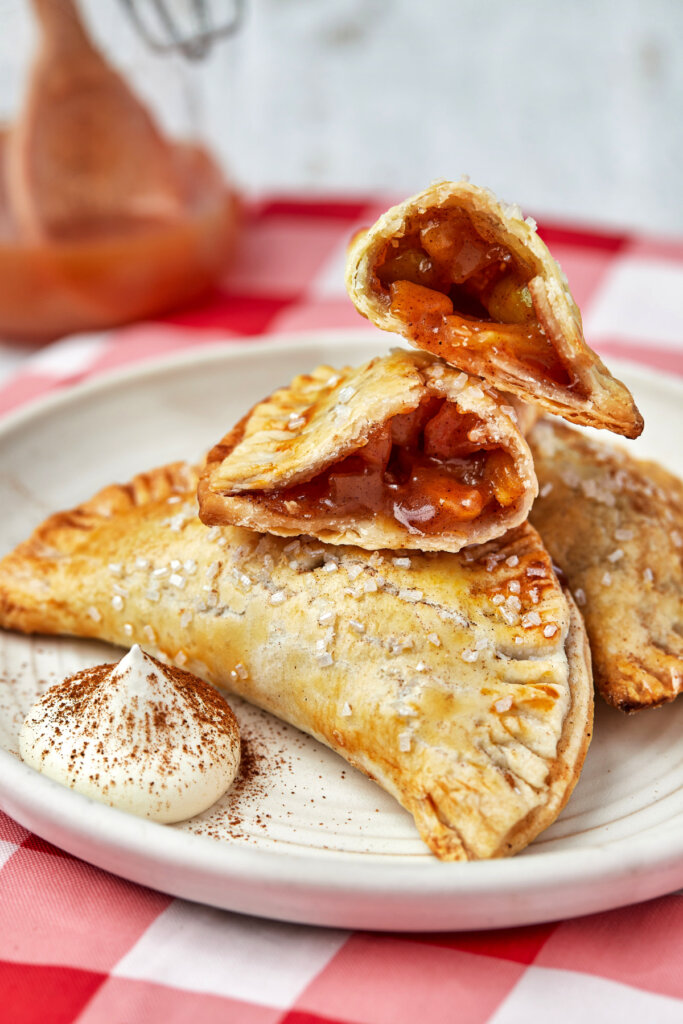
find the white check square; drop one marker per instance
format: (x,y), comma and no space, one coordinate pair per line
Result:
(565,997)
(641,299)
(205,950)
(6,851)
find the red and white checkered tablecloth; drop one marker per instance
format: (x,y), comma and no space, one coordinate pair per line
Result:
(78,944)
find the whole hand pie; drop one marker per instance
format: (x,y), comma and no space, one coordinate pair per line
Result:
(403,452)
(461,275)
(459,682)
(614,525)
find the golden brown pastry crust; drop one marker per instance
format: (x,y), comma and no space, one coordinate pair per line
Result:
(333,412)
(323,417)
(614,525)
(592,396)
(432,679)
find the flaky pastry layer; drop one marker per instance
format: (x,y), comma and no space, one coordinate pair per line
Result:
(614,525)
(460,683)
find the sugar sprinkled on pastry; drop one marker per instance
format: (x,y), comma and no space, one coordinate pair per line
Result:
(614,525)
(402,452)
(466,277)
(144,737)
(461,682)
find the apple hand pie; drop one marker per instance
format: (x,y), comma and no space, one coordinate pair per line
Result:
(614,525)
(403,452)
(463,276)
(459,682)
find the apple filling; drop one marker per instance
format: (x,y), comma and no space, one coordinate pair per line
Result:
(460,293)
(420,468)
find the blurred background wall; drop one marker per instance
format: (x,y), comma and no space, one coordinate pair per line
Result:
(572,109)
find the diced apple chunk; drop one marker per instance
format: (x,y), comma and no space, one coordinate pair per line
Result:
(445,435)
(500,472)
(359,489)
(407,426)
(413,301)
(458,501)
(375,454)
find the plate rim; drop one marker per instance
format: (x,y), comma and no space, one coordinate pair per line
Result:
(378,875)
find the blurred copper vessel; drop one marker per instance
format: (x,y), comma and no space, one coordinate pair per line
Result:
(103,219)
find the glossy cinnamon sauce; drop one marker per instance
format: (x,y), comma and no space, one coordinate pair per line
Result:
(420,468)
(458,292)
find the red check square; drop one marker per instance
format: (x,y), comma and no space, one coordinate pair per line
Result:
(382,980)
(59,910)
(640,946)
(519,944)
(126,1000)
(44,995)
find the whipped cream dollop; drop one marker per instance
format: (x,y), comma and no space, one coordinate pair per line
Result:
(147,738)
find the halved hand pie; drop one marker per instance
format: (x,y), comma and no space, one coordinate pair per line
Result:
(404,452)
(463,276)
(460,683)
(614,525)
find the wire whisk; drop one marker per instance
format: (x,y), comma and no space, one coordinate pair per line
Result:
(190,27)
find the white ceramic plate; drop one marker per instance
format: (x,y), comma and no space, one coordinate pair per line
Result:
(306,838)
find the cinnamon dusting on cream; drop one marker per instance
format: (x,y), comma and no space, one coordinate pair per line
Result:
(147,738)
